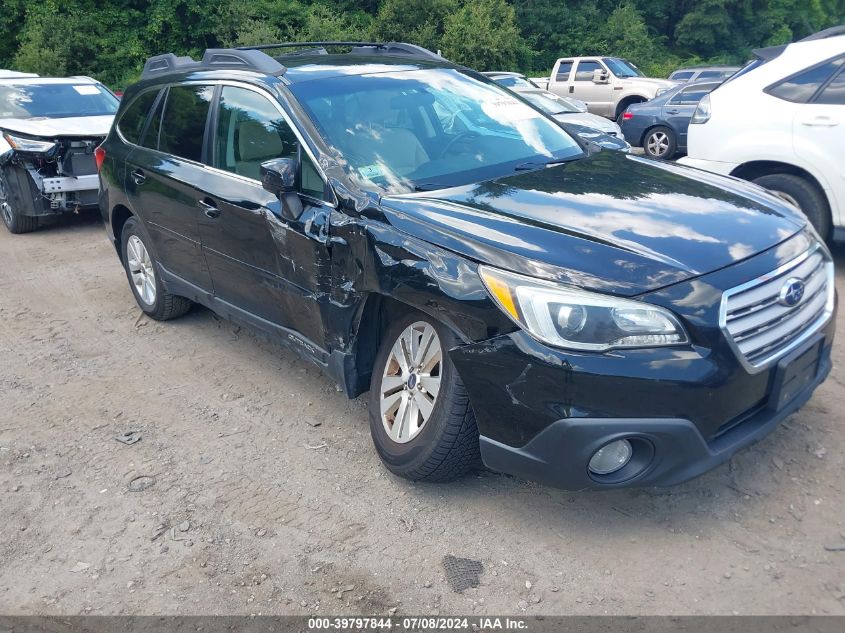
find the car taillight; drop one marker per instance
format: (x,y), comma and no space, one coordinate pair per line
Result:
(627,116)
(99,156)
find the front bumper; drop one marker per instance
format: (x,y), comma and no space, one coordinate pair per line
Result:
(666,451)
(543,412)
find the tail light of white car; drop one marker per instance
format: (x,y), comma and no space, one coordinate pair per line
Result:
(702,111)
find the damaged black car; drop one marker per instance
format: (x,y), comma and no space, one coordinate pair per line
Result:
(49,129)
(508,295)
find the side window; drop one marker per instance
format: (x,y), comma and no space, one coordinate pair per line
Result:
(183,124)
(692,95)
(681,76)
(584,72)
(710,74)
(800,88)
(150,138)
(252,130)
(563,71)
(132,121)
(834,93)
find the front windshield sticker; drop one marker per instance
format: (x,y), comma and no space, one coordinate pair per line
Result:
(371,171)
(511,108)
(87,90)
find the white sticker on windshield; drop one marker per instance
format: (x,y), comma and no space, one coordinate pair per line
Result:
(371,171)
(87,90)
(507,107)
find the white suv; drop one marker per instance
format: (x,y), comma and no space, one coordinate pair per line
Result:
(780,122)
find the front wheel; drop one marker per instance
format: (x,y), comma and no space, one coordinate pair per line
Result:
(144,280)
(660,143)
(14,220)
(421,421)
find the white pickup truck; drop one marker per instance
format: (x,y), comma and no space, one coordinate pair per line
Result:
(607,85)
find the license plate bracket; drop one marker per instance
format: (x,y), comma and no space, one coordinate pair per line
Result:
(794,373)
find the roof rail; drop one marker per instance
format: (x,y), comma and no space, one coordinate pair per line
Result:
(833,31)
(358,48)
(213,59)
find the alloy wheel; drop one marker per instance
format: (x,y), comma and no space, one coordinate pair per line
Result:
(658,143)
(141,269)
(5,207)
(411,381)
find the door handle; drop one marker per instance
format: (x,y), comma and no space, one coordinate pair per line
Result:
(138,176)
(672,111)
(208,208)
(571,89)
(820,121)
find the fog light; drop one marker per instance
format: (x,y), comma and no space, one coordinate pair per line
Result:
(610,457)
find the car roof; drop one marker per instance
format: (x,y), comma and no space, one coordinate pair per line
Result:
(6,81)
(716,67)
(501,73)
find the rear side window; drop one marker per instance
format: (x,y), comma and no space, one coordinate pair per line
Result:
(834,93)
(563,71)
(692,95)
(183,124)
(710,74)
(681,76)
(131,124)
(801,87)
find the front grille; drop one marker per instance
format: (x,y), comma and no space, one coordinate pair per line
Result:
(761,327)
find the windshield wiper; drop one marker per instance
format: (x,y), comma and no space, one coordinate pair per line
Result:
(428,186)
(537,164)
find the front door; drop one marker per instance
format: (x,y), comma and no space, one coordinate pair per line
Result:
(597,96)
(270,262)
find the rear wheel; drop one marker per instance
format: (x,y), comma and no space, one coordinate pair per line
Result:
(803,194)
(660,142)
(144,280)
(420,418)
(14,220)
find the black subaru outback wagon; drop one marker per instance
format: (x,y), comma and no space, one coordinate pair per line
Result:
(580,318)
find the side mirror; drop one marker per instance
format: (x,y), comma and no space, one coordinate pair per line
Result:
(600,76)
(278,176)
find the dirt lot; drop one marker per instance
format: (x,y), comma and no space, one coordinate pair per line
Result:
(267,496)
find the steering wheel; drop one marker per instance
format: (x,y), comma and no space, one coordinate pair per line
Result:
(460,136)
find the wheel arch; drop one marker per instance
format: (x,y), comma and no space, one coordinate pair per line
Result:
(119,215)
(626,101)
(757,168)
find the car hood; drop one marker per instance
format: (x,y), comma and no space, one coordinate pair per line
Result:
(589,120)
(648,83)
(611,222)
(51,128)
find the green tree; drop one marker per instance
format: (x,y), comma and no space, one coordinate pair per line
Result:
(483,34)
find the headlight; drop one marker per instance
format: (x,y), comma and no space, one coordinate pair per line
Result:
(576,319)
(702,111)
(28,144)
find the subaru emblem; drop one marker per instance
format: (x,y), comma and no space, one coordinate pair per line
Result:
(791,292)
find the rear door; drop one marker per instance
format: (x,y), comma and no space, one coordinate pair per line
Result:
(164,176)
(263,261)
(678,111)
(598,97)
(560,79)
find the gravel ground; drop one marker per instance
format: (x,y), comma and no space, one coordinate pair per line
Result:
(255,488)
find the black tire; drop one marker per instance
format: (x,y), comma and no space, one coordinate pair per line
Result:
(810,199)
(163,305)
(446,446)
(663,138)
(14,220)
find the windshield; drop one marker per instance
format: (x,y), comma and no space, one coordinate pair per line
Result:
(53,101)
(425,129)
(622,68)
(514,82)
(549,104)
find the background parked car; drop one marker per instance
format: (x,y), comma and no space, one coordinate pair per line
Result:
(49,128)
(660,126)
(608,85)
(520,83)
(780,122)
(701,73)
(563,112)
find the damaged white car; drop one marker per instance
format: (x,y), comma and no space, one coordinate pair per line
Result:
(49,129)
